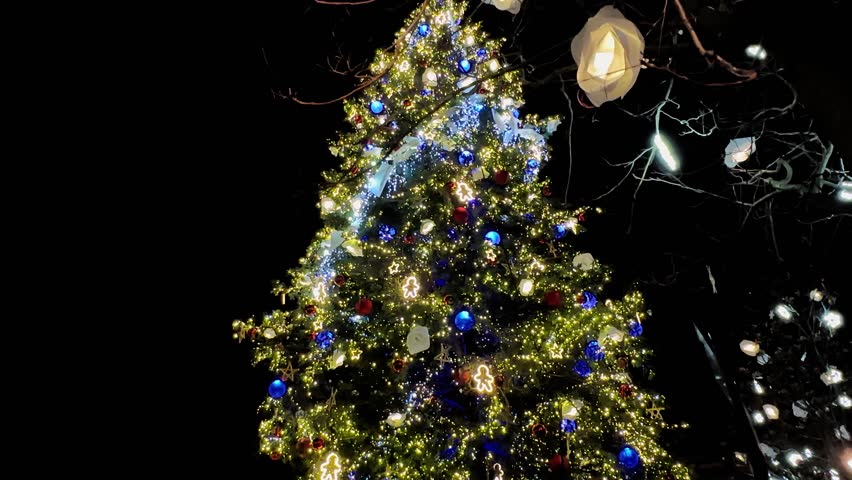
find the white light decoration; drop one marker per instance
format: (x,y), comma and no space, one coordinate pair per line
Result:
(783,312)
(750,348)
(608,53)
(395,420)
(794,458)
(466,82)
(464,192)
(394,267)
(831,320)
(757,388)
(844,193)
(429,78)
(758,418)
(771,411)
(612,333)
(494,65)
(426,226)
(330,469)
(483,380)
(738,151)
(511,6)
(844,401)
(525,287)
(327,204)
(584,261)
(337,358)
(666,153)
(756,51)
(410,287)
(269,333)
(357,202)
(571,409)
(469,40)
(354,248)
(404,66)
(816,295)
(418,339)
(831,376)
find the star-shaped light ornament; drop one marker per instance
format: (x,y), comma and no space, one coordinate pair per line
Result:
(655,411)
(444,356)
(483,380)
(289,373)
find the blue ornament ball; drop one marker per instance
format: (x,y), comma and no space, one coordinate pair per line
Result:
(277,388)
(589,300)
(481,52)
(324,339)
(466,157)
(532,163)
(465,66)
(593,351)
(582,368)
(493,237)
(628,457)
(386,233)
(559,231)
(423,29)
(568,425)
(635,329)
(377,107)
(464,321)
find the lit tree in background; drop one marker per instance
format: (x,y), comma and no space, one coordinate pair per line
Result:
(446,327)
(794,370)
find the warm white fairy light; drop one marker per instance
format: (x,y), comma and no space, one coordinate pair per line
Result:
(784,312)
(410,287)
(483,380)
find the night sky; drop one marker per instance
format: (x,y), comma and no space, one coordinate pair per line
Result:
(257,209)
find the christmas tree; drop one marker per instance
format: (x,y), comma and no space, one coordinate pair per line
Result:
(445,326)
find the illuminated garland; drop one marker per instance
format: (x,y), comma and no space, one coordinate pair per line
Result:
(442,326)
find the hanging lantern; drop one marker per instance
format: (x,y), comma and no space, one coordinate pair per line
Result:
(608,53)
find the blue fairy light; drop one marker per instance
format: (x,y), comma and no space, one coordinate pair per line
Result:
(635,329)
(532,163)
(582,368)
(277,388)
(324,339)
(377,107)
(568,425)
(559,231)
(423,29)
(593,351)
(589,300)
(628,457)
(493,237)
(386,233)
(464,65)
(453,234)
(466,157)
(530,217)
(425,92)
(464,320)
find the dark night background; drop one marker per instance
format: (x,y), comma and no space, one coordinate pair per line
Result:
(254,214)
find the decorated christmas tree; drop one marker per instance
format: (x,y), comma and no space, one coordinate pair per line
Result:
(442,325)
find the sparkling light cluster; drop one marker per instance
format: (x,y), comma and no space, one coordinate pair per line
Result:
(437,228)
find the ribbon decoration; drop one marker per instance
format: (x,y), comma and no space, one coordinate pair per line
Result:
(380,179)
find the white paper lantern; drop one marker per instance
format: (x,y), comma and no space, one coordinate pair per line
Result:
(771,411)
(525,287)
(750,348)
(608,53)
(738,151)
(418,339)
(337,358)
(511,6)
(571,409)
(426,226)
(395,420)
(430,78)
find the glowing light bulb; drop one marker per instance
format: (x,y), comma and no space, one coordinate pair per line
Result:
(426,226)
(756,51)
(525,287)
(844,401)
(757,388)
(665,153)
(494,65)
(832,320)
(603,59)
(784,312)
(430,78)
(794,458)
(758,418)
(771,411)
(845,191)
(831,376)
(750,348)
(327,204)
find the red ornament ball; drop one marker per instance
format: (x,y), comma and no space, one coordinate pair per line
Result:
(364,306)
(354,170)
(461,376)
(448,299)
(303,446)
(460,215)
(546,191)
(277,431)
(311,310)
(553,299)
(581,217)
(275,456)
(539,430)
(340,280)
(451,186)
(501,177)
(319,443)
(253,332)
(406,103)
(408,239)
(499,380)
(358,118)
(625,390)
(397,365)
(483,90)
(557,463)
(622,362)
